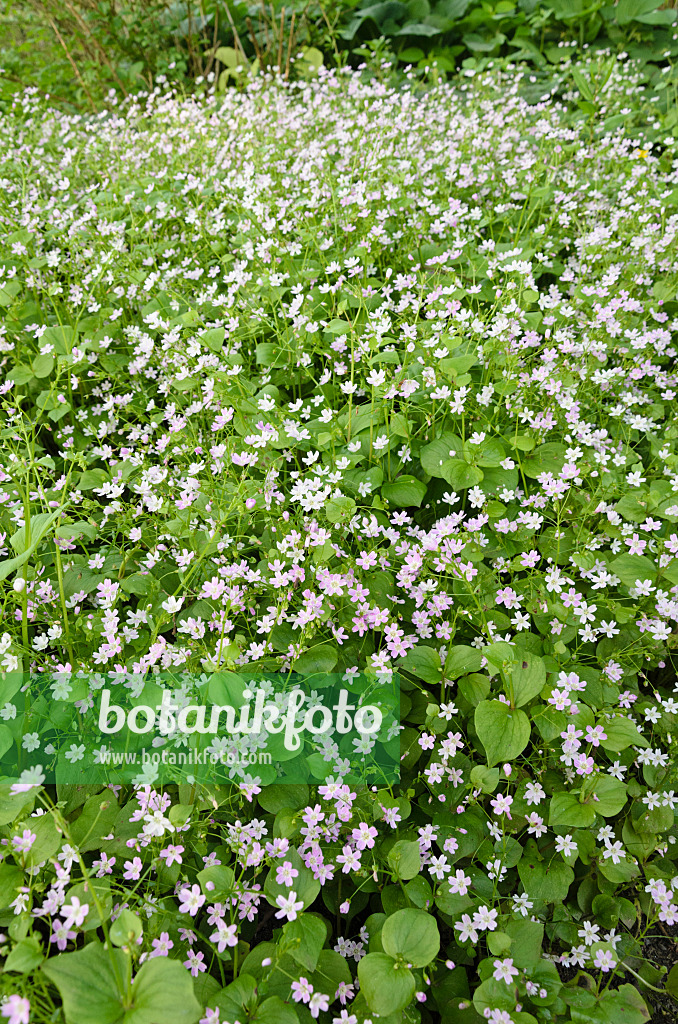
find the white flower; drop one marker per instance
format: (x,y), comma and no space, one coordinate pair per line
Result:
(289,905)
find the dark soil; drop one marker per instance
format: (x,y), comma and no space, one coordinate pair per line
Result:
(662,951)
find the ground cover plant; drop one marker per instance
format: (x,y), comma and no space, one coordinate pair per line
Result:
(80,51)
(344,376)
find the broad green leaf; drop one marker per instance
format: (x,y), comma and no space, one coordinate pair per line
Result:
(630,568)
(340,510)
(304,938)
(547,458)
(387,986)
(47,842)
(322,658)
(43,365)
(485,779)
(404,859)
(424,663)
(126,929)
(545,881)
(232,999)
(163,991)
(504,732)
(218,880)
(622,733)
(274,1011)
(25,957)
(526,677)
(11,880)
(609,796)
(460,475)
(412,935)
(434,455)
(305,885)
(404,492)
(624,1005)
(527,938)
(87,984)
(461,660)
(566,811)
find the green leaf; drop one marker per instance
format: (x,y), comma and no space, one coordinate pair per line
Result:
(126,929)
(12,806)
(11,879)
(40,525)
(311,55)
(405,492)
(568,812)
(305,885)
(340,510)
(412,935)
(460,475)
(404,858)
(163,991)
(609,796)
(624,1005)
(277,797)
(547,458)
(214,337)
(387,986)
(630,568)
(232,999)
(424,663)
(461,660)
(622,733)
(322,658)
(494,995)
(583,85)
(25,957)
(87,984)
(498,943)
(627,11)
(221,881)
(433,456)
(304,938)
(274,1011)
(527,677)
(544,881)
(97,818)
(488,454)
(228,56)
(47,841)
(503,731)
(43,365)
(527,938)
(485,779)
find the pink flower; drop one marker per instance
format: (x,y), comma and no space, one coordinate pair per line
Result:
(162,946)
(172,855)
(16,1009)
(61,934)
(132,869)
(211,1017)
(23,843)
(191,900)
(302,990)
(195,963)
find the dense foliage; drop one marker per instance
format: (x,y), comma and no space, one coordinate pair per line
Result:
(80,51)
(337,375)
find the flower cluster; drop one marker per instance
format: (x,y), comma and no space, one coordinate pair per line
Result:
(340,377)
